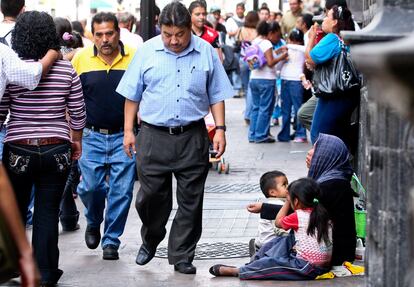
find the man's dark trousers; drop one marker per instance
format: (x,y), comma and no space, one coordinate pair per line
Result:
(161,155)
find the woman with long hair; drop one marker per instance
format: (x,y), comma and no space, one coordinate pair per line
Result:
(40,142)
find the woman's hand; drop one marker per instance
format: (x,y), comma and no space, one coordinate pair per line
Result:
(309,157)
(313,32)
(76,150)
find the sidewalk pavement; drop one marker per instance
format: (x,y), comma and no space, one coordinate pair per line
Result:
(225,222)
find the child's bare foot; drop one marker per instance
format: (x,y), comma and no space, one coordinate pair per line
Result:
(224,270)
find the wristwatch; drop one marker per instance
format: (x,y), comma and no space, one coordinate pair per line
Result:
(221,128)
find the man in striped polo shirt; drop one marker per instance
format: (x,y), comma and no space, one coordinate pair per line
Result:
(100,69)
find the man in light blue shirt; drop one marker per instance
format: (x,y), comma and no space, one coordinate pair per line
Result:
(175,78)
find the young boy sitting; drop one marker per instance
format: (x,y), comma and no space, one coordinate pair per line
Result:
(274,187)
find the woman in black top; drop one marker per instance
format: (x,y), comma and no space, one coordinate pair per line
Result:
(328,163)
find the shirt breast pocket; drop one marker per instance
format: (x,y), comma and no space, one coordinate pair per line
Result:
(198,82)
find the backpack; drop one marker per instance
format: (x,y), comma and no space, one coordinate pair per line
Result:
(230,63)
(254,57)
(3,39)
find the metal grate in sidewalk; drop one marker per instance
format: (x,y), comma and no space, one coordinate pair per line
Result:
(216,250)
(232,188)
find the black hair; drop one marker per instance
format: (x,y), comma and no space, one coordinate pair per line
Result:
(104,17)
(296,35)
(344,17)
(264,8)
(196,4)
(12,8)
(264,28)
(64,26)
(77,40)
(307,191)
(77,26)
(307,19)
(157,11)
(267,181)
(175,14)
(330,3)
(33,35)
(241,5)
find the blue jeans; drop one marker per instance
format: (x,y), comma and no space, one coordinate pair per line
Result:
(249,104)
(292,95)
(263,92)
(277,110)
(103,155)
(333,117)
(47,168)
(235,77)
(276,260)
(244,74)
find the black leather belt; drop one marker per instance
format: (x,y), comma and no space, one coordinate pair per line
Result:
(176,130)
(104,131)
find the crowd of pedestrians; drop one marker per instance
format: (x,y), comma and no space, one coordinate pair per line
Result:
(72,105)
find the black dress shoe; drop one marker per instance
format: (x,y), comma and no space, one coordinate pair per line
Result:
(144,255)
(185,268)
(110,252)
(92,237)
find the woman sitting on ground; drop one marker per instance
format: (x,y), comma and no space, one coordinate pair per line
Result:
(328,163)
(302,255)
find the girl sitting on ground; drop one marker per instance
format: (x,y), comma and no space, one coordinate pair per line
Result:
(305,253)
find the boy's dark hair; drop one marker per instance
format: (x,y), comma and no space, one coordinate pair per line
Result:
(175,14)
(264,8)
(12,8)
(196,4)
(104,17)
(267,181)
(307,191)
(296,35)
(241,5)
(33,35)
(264,28)
(307,19)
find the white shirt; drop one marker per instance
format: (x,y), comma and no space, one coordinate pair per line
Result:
(231,26)
(264,72)
(131,39)
(15,71)
(293,67)
(6,28)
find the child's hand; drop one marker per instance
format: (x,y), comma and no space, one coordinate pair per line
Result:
(281,50)
(255,207)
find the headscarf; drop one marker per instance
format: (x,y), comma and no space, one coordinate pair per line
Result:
(330,160)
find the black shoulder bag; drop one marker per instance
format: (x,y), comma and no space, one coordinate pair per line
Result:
(337,77)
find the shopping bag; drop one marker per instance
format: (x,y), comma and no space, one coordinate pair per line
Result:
(337,77)
(360,207)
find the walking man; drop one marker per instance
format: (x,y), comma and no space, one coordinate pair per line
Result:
(175,80)
(107,173)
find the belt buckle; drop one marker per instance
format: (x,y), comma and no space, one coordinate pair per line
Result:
(36,142)
(104,131)
(171,130)
(175,130)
